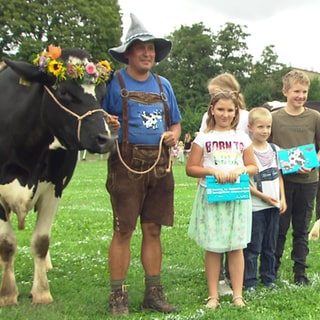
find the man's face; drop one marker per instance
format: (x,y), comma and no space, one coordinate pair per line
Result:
(141,55)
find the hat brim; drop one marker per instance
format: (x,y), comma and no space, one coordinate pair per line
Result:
(162,48)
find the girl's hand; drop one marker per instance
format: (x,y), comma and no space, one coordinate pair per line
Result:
(220,176)
(234,174)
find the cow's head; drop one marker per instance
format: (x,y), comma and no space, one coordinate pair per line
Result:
(73,89)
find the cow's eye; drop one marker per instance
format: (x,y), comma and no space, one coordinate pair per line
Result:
(65,94)
(62,91)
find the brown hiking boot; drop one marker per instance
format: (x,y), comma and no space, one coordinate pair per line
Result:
(154,300)
(119,303)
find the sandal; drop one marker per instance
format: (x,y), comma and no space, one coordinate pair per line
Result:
(239,301)
(212,303)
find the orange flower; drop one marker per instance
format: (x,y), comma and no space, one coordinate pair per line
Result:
(54,52)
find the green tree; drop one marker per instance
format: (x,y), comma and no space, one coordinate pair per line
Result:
(28,26)
(198,55)
(314,90)
(230,52)
(265,80)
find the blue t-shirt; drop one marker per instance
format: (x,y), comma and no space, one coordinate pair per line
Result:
(146,122)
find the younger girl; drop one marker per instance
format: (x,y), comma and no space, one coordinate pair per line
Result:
(226,153)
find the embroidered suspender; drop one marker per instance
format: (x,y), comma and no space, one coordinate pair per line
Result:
(124,94)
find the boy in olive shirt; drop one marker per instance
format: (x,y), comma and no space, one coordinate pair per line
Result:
(292,126)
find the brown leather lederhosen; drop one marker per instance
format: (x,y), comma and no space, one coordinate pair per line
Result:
(148,194)
(144,98)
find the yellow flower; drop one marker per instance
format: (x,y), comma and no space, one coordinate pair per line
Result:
(36,59)
(56,68)
(79,70)
(106,64)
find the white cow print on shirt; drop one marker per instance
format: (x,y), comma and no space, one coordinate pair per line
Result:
(150,120)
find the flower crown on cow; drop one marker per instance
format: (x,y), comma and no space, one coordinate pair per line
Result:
(83,73)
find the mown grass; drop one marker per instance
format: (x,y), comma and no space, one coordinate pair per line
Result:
(79,281)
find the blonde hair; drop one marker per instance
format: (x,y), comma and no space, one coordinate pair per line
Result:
(295,76)
(258,113)
(229,95)
(226,82)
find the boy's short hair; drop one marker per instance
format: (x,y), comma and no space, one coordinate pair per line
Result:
(295,76)
(258,113)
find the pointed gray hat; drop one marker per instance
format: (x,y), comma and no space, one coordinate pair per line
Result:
(138,32)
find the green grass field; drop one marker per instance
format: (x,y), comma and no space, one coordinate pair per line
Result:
(79,281)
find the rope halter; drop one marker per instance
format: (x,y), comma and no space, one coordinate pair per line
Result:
(79,118)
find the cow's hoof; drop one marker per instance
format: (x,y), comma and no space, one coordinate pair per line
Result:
(41,298)
(8,301)
(313,235)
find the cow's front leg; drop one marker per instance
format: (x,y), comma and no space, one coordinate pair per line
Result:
(47,206)
(8,246)
(40,291)
(48,262)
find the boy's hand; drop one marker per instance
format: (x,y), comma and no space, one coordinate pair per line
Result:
(271,201)
(303,170)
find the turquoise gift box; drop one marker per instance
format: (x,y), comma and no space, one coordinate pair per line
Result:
(216,192)
(291,160)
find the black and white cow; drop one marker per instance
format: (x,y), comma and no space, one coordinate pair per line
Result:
(44,121)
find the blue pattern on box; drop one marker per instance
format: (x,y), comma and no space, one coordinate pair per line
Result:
(217,192)
(291,160)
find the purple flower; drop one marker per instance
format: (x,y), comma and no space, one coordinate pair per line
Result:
(42,61)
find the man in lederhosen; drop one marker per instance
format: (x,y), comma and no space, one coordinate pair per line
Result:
(140,180)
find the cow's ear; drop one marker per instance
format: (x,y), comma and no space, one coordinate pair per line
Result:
(30,72)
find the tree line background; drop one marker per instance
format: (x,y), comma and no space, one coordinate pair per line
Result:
(198,53)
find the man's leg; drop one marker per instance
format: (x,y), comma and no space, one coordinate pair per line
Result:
(151,258)
(151,250)
(119,255)
(118,261)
